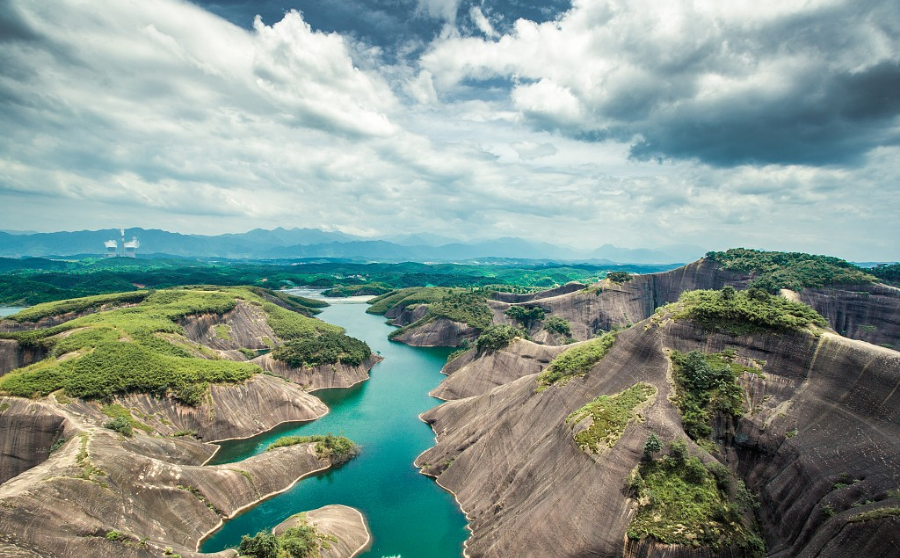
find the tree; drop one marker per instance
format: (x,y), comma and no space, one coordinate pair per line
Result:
(526,315)
(653,445)
(262,545)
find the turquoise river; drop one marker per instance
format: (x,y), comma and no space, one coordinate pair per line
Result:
(409,514)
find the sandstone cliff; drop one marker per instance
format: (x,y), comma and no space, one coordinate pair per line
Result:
(473,373)
(100,495)
(824,409)
(325,376)
(440,332)
(870,312)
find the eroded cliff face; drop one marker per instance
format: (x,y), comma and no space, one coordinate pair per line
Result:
(27,432)
(439,333)
(474,373)
(347,526)
(13,355)
(229,411)
(824,408)
(99,483)
(325,376)
(867,312)
(607,305)
(243,327)
(870,312)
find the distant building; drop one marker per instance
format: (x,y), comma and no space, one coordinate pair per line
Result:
(112,248)
(129,248)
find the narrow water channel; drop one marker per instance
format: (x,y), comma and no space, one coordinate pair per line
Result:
(408,513)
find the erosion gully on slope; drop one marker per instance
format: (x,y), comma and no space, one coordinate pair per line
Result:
(409,514)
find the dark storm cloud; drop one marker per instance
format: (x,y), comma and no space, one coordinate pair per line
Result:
(824,120)
(774,84)
(13,26)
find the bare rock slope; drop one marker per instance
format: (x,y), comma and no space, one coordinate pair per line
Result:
(473,373)
(817,443)
(100,495)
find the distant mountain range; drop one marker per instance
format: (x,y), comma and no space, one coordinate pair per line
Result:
(286,244)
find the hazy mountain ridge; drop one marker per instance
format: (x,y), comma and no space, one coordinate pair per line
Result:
(283,243)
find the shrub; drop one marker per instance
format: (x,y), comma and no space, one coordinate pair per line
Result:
(556,324)
(609,416)
(652,445)
(705,384)
(746,311)
(325,348)
(120,425)
(683,502)
(337,448)
(498,336)
(790,270)
(261,545)
(618,276)
(576,361)
(526,315)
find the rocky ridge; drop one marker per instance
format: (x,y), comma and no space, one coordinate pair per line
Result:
(72,487)
(814,440)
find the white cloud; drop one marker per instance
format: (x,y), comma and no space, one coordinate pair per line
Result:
(528,150)
(482,22)
(155,113)
(719,70)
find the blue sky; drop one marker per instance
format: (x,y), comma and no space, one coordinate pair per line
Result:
(759,123)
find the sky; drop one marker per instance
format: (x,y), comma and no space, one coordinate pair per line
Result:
(766,123)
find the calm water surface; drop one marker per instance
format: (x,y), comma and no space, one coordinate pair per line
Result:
(10,310)
(409,514)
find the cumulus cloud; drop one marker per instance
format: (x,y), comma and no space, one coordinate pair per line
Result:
(159,114)
(726,83)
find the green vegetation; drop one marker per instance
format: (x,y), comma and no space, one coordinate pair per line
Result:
(451,304)
(652,445)
(889,273)
(682,501)
(609,415)
(337,448)
(406,297)
(303,305)
(880,513)
(85,304)
(326,348)
(118,412)
(56,445)
(462,306)
(120,425)
(707,384)
(619,276)
(526,315)
(496,337)
(33,280)
(576,361)
(127,349)
(790,270)
(744,312)
(223,331)
(290,325)
(456,354)
(367,289)
(300,541)
(556,324)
